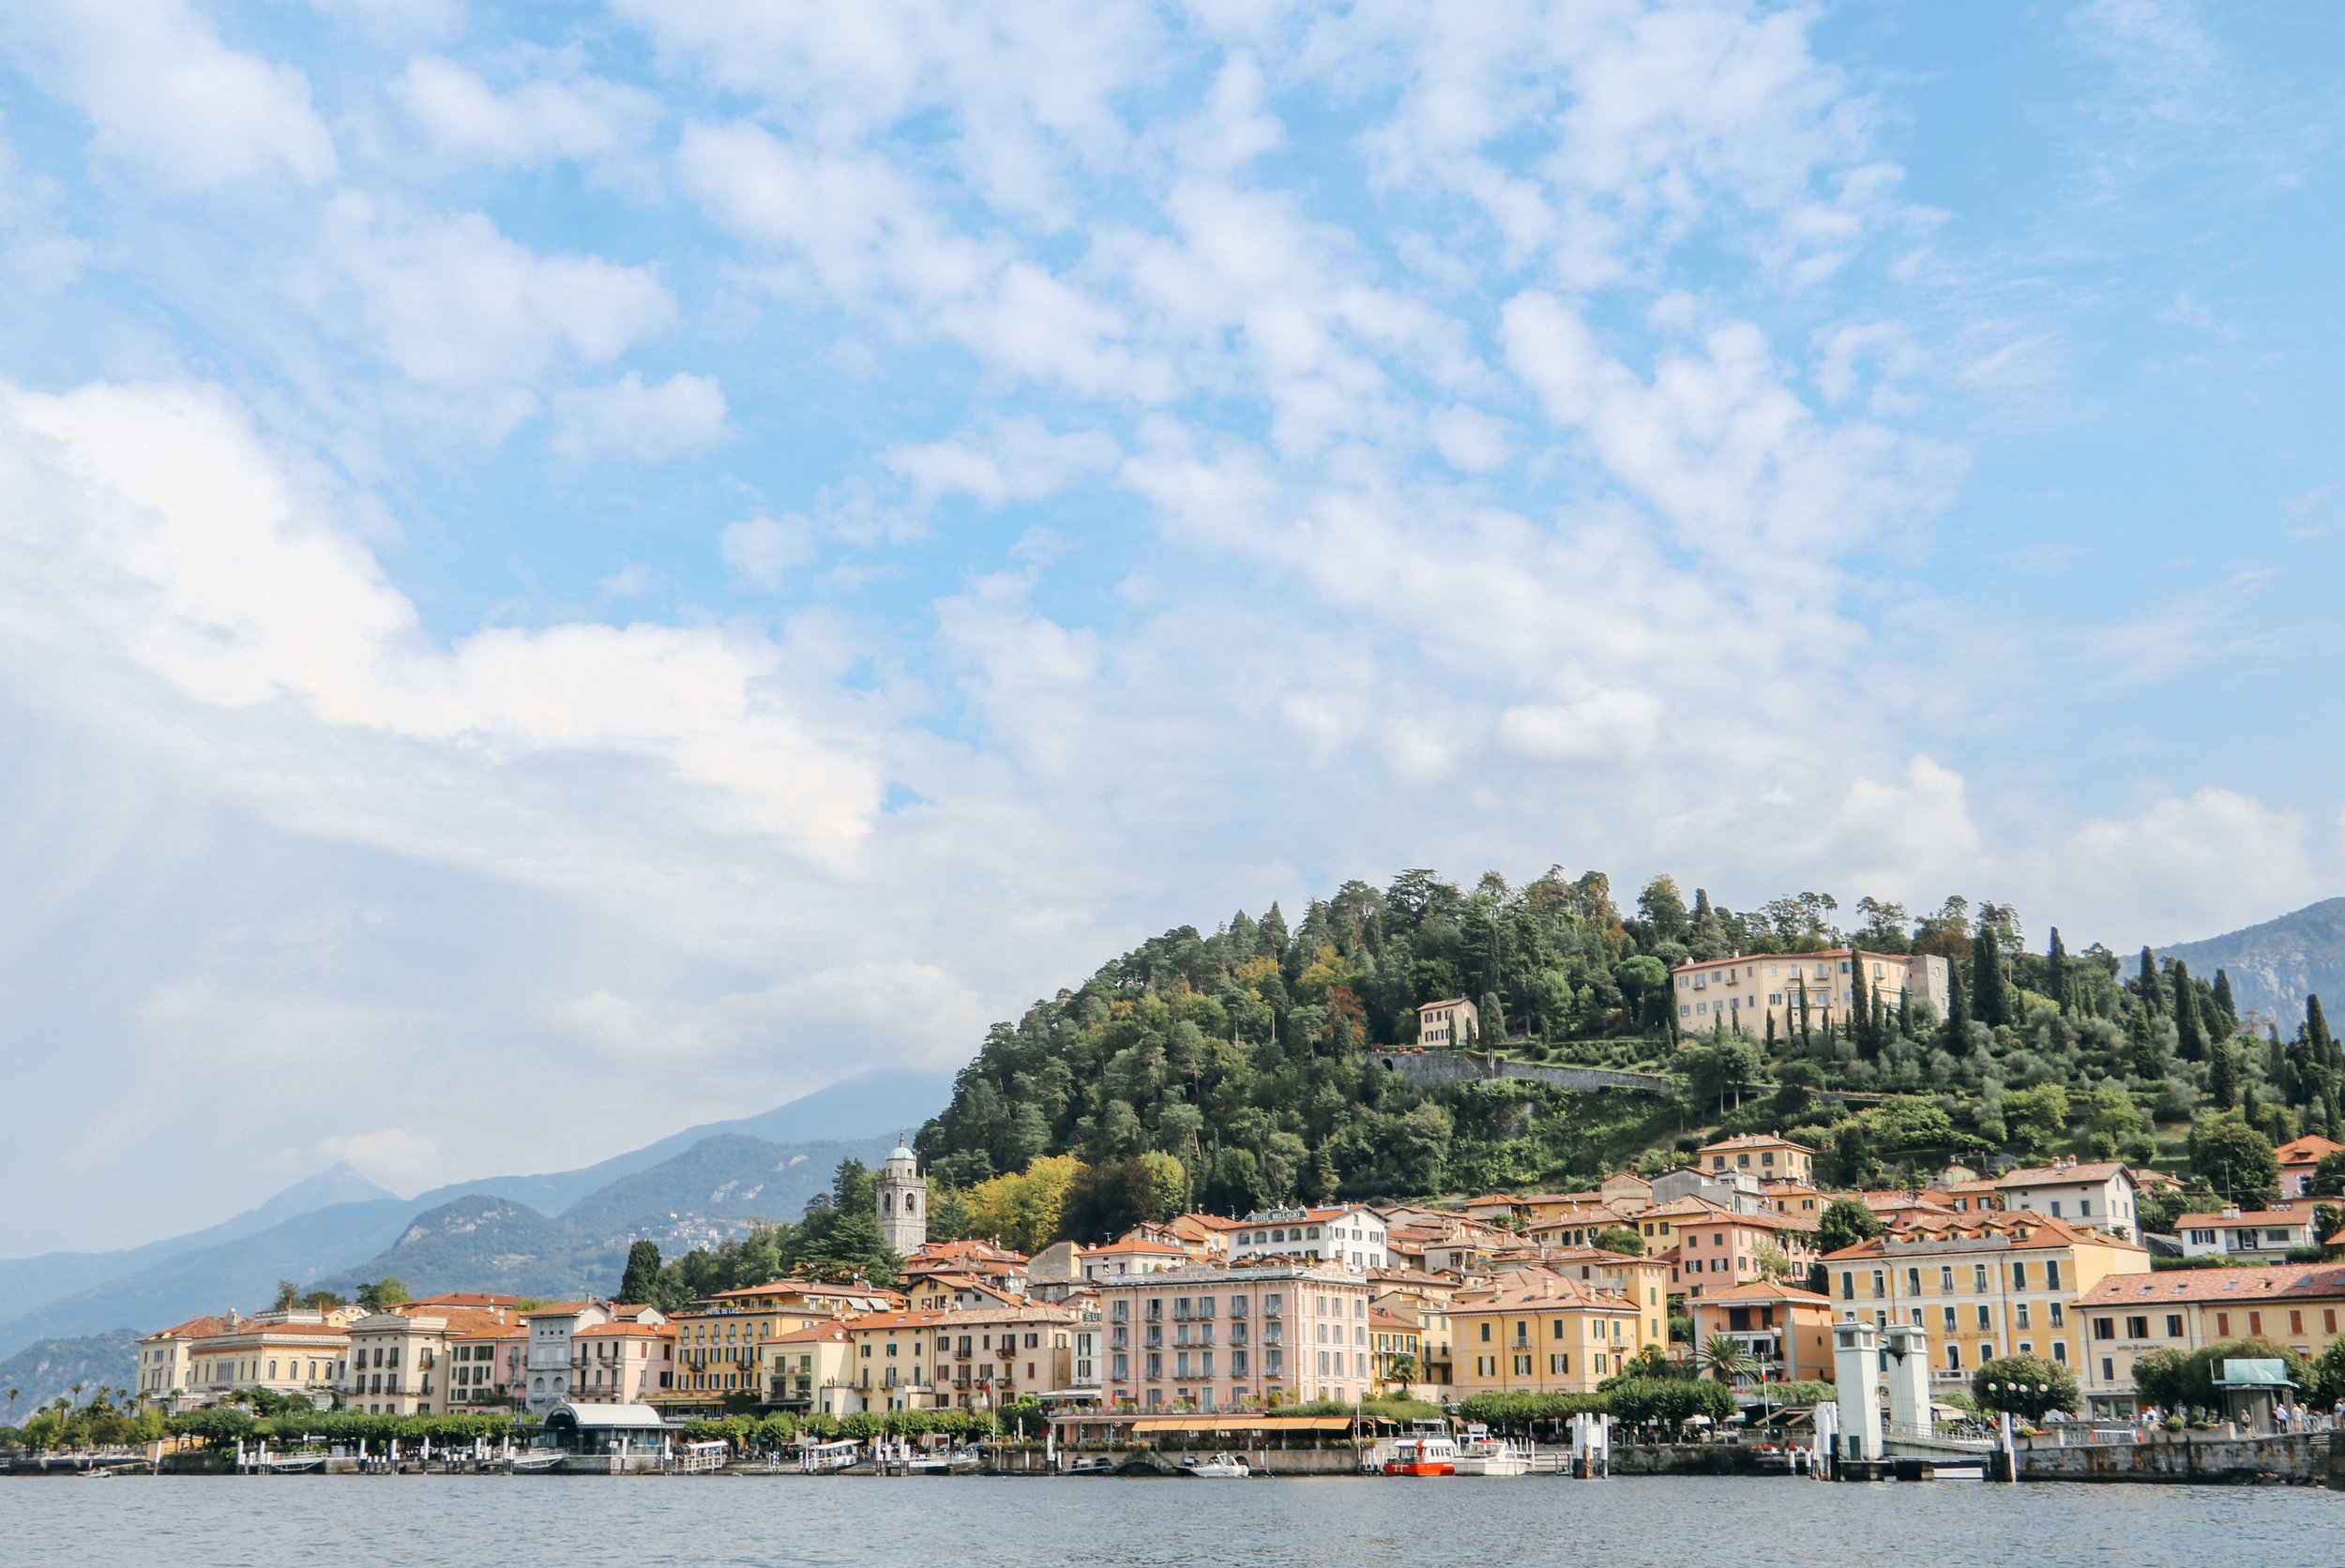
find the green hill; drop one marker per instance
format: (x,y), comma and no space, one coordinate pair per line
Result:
(1239,1055)
(2274,967)
(489,1243)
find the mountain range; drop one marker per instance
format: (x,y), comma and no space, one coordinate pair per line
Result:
(2274,967)
(547,1234)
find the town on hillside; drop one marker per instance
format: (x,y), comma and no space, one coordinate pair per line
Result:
(1718,1300)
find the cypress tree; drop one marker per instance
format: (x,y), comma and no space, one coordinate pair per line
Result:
(1861,1009)
(2152,992)
(2056,970)
(2249,1112)
(1958,1010)
(2222,1078)
(2146,1061)
(2226,1015)
(2190,1037)
(2316,1031)
(1988,996)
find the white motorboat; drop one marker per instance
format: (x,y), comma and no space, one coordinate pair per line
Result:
(1483,1455)
(294,1464)
(1219,1466)
(535,1461)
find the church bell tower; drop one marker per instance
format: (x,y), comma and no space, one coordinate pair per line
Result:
(903,1213)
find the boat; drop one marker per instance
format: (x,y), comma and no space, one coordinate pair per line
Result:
(535,1461)
(96,1472)
(1483,1455)
(944,1460)
(1092,1464)
(294,1464)
(828,1458)
(1218,1467)
(1423,1455)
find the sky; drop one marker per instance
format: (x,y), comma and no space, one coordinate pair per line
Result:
(568,571)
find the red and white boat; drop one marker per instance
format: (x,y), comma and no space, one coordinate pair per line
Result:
(1423,1455)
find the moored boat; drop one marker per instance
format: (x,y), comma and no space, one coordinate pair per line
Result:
(1483,1455)
(1219,1466)
(1423,1455)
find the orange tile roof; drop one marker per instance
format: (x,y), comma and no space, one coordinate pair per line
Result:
(2266,1282)
(2249,1217)
(2310,1149)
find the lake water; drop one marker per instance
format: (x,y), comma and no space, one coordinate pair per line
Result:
(970,1522)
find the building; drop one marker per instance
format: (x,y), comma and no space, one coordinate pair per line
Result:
(1718,1247)
(1448,1024)
(2100,1193)
(1643,1281)
(627,1360)
(547,1361)
(811,1370)
(296,1353)
(1129,1256)
(978,1360)
(1786,1332)
(1984,1285)
(1422,1302)
(2249,1233)
(1767,1155)
(402,1359)
(1627,1191)
(2127,1316)
(1352,1234)
(1738,1190)
(1394,1359)
(165,1367)
(1539,1331)
(1583,1228)
(1212,1338)
(1205,1236)
(2299,1157)
(902,1199)
(1750,989)
(488,1365)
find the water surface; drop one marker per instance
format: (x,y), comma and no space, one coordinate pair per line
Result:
(974,1522)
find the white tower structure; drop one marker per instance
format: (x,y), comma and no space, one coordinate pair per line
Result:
(903,1208)
(1908,1368)
(1856,1370)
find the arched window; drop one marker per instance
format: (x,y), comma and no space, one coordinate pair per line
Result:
(912,1203)
(887,1204)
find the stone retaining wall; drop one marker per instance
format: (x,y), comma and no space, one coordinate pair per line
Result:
(2186,1458)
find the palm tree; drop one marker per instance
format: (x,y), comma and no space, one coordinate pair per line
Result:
(14,1395)
(76,1389)
(1722,1357)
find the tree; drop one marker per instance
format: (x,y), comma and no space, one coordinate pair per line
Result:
(1722,1357)
(1666,1401)
(2224,1020)
(1845,1222)
(2328,1177)
(1989,996)
(641,1283)
(1718,1064)
(2237,1160)
(2185,1380)
(1957,1011)
(2037,1118)
(288,1295)
(1619,1238)
(2026,1386)
(2189,1032)
(383,1294)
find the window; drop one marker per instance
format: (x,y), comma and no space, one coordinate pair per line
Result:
(1556,1332)
(2060,1351)
(1486,1334)
(2051,1274)
(2018,1275)
(1945,1279)
(1522,1365)
(1951,1324)
(1848,1286)
(2295,1322)
(1913,1282)
(1986,1317)
(2223,1325)
(1881,1285)
(2023,1320)
(2255,1323)
(1954,1355)
(1979,1276)
(2173,1325)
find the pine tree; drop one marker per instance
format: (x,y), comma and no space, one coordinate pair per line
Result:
(2222,1078)
(2189,1035)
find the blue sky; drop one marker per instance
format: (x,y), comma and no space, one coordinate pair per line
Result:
(567,571)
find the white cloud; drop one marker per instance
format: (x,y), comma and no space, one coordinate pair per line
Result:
(1001,460)
(167,97)
(578,116)
(38,252)
(483,324)
(2186,867)
(763,550)
(625,418)
(393,1156)
(398,23)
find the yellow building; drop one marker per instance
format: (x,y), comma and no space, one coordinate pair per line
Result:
(290,1352)
(1744,991)
(1765,1155)
(2128,1316)
(166,1367)
(1643,1281)
(1539,1331)
(977,1359)
(1984,1285)
(812,1370)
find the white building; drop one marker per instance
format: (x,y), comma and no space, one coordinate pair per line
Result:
(2100,1193)
(2250,1233)
(1747,989)
(1449,1023)
(1351,1234)
(552,1329)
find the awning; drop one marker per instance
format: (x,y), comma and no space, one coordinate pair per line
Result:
(1237,1420)
(2254,1374)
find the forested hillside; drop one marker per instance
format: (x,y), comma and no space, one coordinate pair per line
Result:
(1227,1069)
